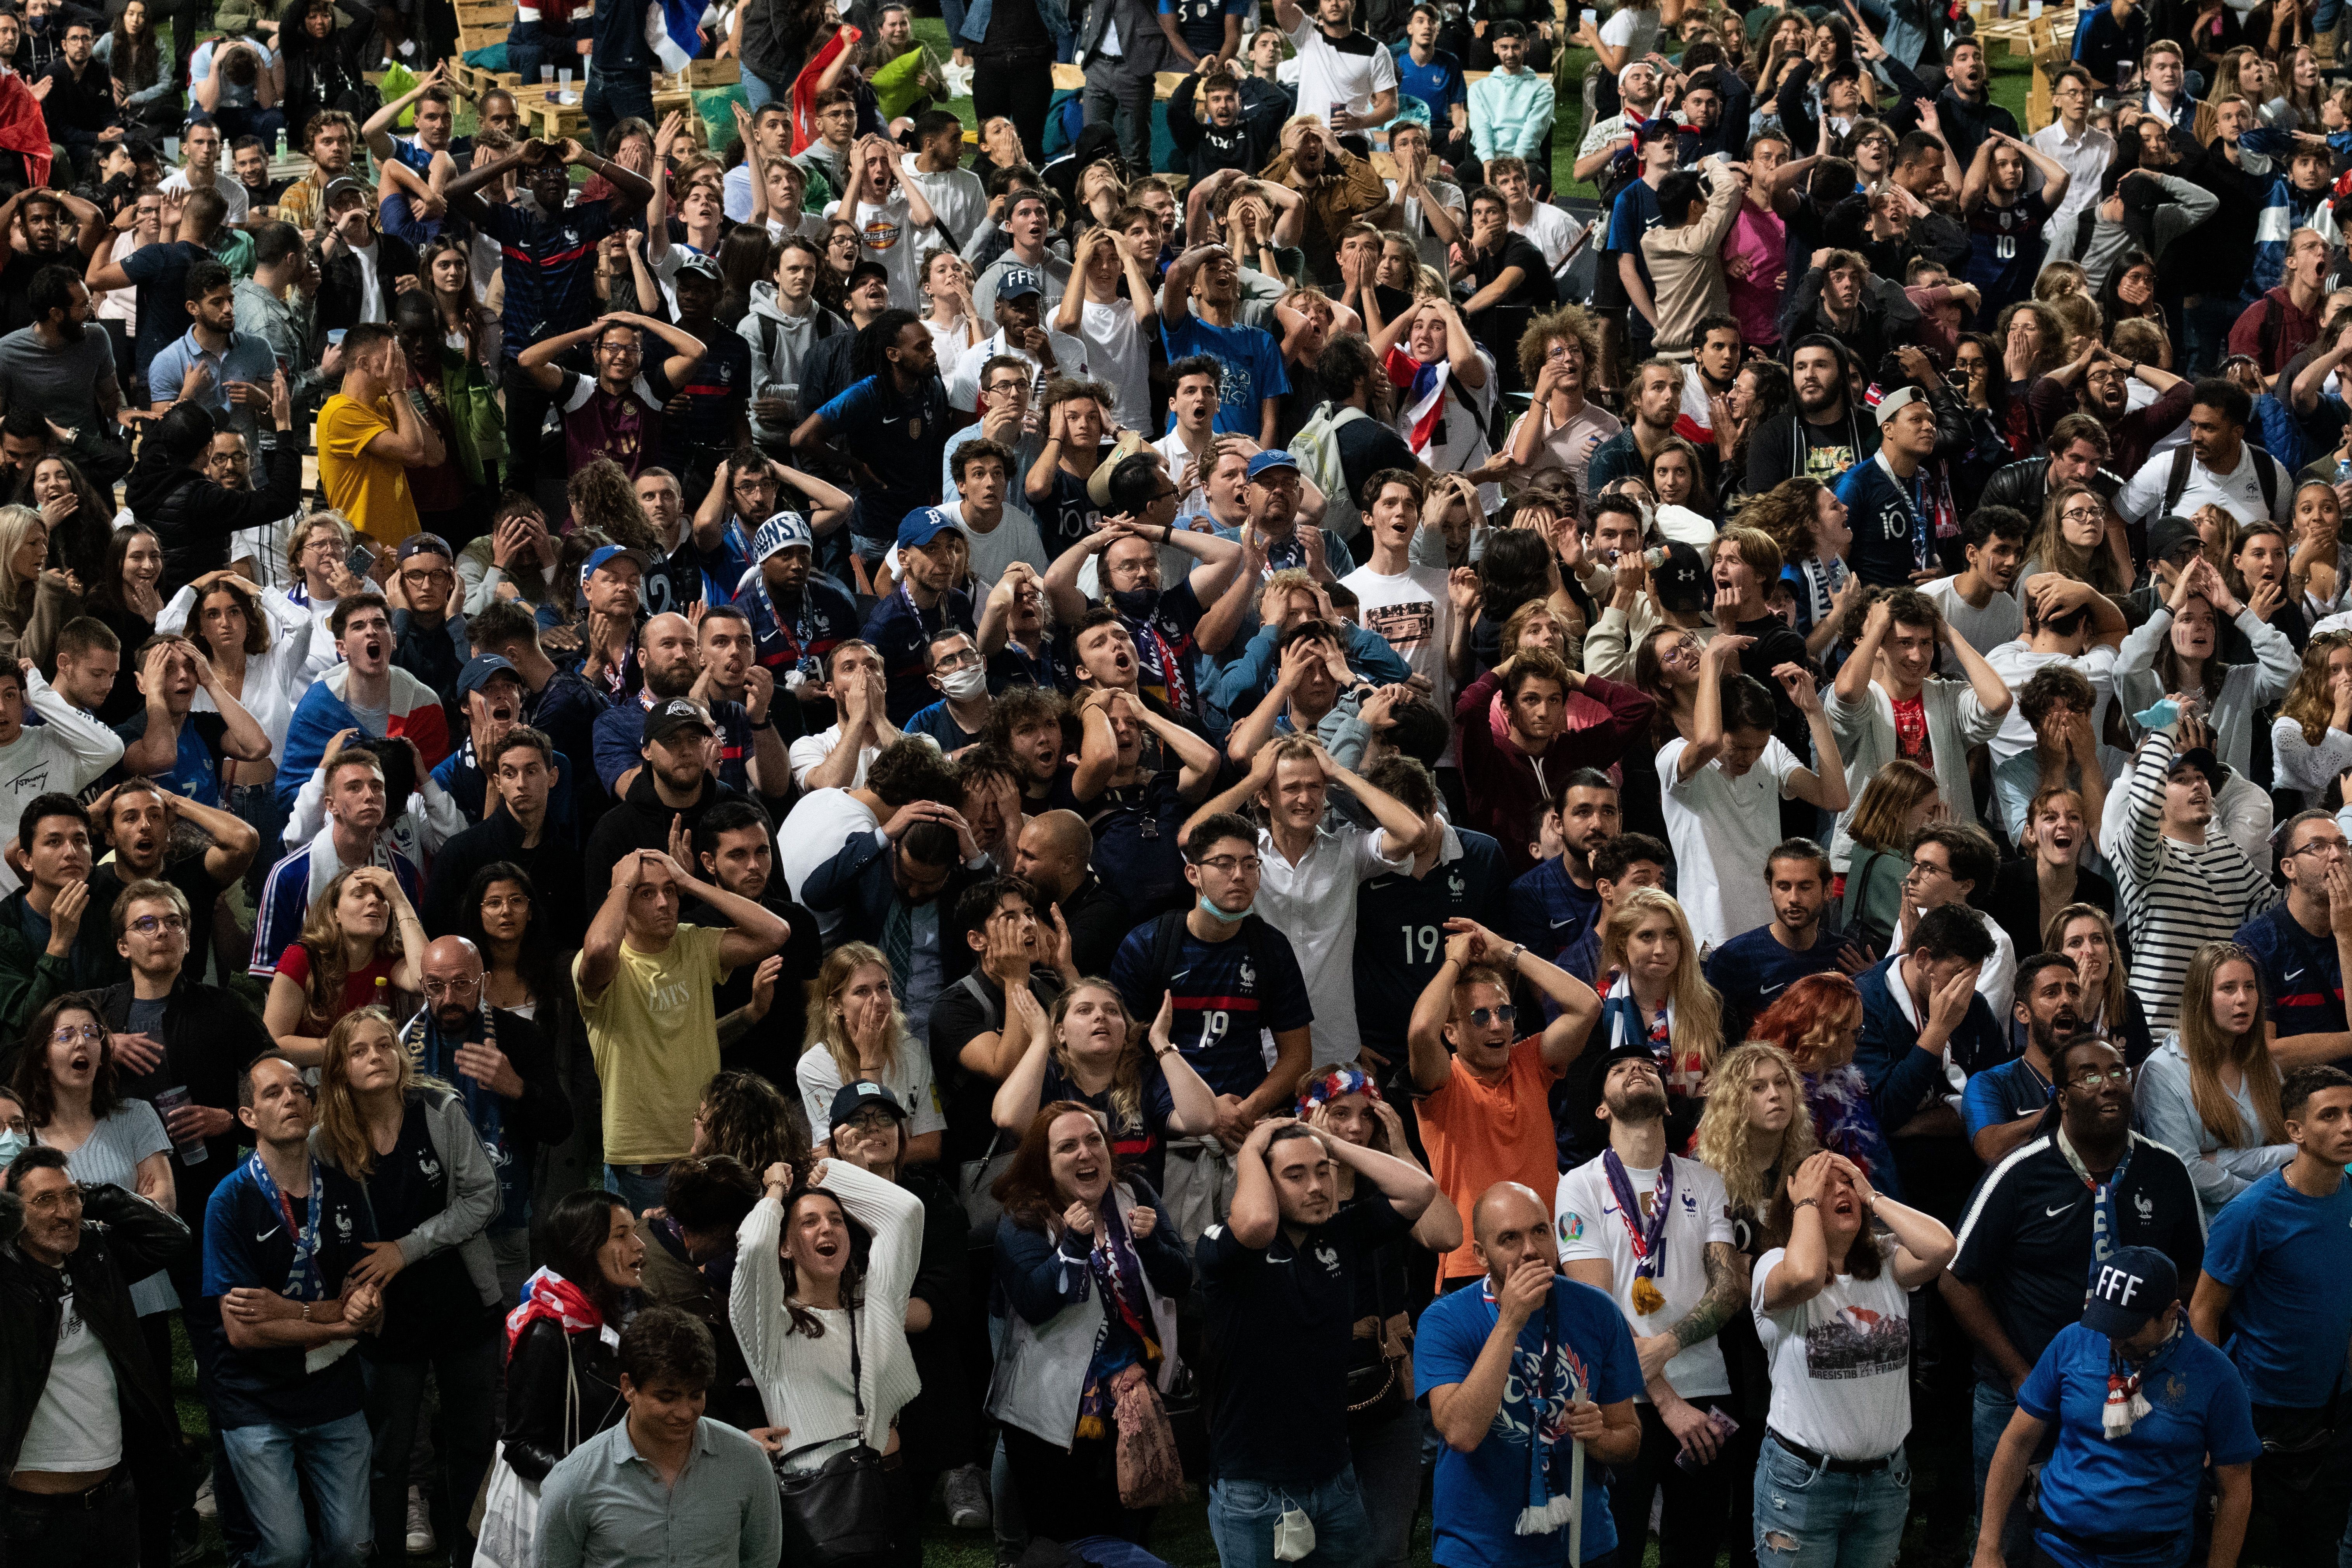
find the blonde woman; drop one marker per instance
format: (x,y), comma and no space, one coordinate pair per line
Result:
(2086,933)
(2311,740)
(1085,1050)
(856,1031)
(1657,994)
(2210,1092)
(360,941)
(432,1193)
(1900,799)
(35,600)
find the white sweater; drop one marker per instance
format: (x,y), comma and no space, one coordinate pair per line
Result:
(804,1382)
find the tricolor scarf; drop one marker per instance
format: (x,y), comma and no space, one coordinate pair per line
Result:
(1421,406)
(2126,1404)
(1549,1504)
(1336,1084)
(2104,1227)
(1623,1024)
(1844,1123)
(1647,1236)
(303,1283)
(1119,1273)
(486,1109)
(550,1295)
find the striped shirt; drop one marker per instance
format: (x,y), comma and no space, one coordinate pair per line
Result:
(2175,896)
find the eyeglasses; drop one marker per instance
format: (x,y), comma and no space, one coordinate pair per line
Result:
(956,660)
(450,987)
(148,925)
(2091,1081)
(1482,1017)
(88,1034)
(1226,865)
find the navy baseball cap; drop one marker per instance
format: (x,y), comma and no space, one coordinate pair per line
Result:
(425,544)
(924,524)
(851,1097)
(1018,283)
(481,669)
(2132,1285)
(668,718)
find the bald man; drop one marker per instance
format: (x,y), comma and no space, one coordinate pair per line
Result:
(1482,1358)
(671,657)
(506,1072)
(1054,857)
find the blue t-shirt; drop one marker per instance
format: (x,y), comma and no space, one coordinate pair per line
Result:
(1547,910)
(1479,1495)
(2301,974)
(549,268)
(1438,84)
(195,767)
(2145,1483)
(2002,1094)
(249,1241)
(1752,969)
(1634,214)
(160,272)
(940,725)
(1223,1000)
(1253,369)
(1202,23)
(900,441)
(2287,1255)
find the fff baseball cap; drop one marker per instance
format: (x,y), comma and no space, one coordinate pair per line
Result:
(1018,283)
(2132,1285)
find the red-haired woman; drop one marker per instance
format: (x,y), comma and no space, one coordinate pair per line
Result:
(1092,1275)
(1817,1021)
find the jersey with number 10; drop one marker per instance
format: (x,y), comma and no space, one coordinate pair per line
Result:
(1401,935)
(2005,248)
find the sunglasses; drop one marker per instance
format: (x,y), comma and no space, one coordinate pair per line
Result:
(1481,1016)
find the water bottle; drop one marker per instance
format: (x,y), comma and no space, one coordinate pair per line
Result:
(281,144)
(193,1152)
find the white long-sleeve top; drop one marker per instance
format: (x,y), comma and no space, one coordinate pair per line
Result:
(65,752)
(804,1382)
(275,679)
(2245,689)
(428,820)
(2299,764)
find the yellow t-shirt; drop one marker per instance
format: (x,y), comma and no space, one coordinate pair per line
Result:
(655,1040)
(371,491)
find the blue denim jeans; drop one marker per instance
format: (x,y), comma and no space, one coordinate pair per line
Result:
(1994,1405)
(614,96)
(759,91)
(638,1191)
(1810,1516)
(276,1466)
(1242,1516)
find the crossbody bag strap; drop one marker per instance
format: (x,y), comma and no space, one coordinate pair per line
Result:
(570,1397)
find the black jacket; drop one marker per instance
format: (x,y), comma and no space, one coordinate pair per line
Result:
(124,1238)
(2026,487)
(1098,922)
(209,1036)
(553,866)
(542,1370)
(341,280)
(194,517)
(1204,148)
(858,883)
(640,822)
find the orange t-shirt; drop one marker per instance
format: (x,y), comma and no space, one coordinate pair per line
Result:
(1479,1133)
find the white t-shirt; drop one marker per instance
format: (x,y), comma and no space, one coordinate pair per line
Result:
(1841,1363)
(2238,492)
(816,829)
(1722,829)
(1635,32)
(1117,357)
(371,308)
(963,379)
(77,1423)
(1550,230)
(231,188)
(887,235)
(908,1076)
(1586,1220)
(2016,662)
(1414,218)
(1413,612)
(958,198)
(2002,619)
(1342,75)
(1014,538)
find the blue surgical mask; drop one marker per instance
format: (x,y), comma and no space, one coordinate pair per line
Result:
(1216,913)
(13,1143)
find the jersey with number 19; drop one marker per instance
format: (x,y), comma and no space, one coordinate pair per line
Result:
(1400,931)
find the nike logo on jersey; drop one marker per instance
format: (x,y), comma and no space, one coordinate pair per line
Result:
(2294,975)
(266,1234)
(2062,1208)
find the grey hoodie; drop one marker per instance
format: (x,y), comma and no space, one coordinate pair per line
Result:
(780,344)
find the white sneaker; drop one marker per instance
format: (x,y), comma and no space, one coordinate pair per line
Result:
(420,1523)
(967,1497)
(206,1507)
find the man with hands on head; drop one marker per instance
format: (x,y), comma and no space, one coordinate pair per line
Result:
(173,743)
(647,985)
(1280,1279)
(137,817)
(909,873)
(1520,1371)
(617,414)
(370,435)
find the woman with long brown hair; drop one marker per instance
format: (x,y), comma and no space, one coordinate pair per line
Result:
(1092,1274)
(2080,536)
(2210,1092)
(2086,933)
(2178,650)
(2311,739)
(432,1192)
(1807,521)
(360,941)
(1817,1021)
(1086,1050)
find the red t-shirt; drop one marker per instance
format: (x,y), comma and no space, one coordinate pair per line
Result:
(358,986)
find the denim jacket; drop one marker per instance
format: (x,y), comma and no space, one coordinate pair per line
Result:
(973,27)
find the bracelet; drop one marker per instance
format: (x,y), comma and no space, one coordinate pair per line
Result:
(769,723)
(1806,1204)
(306,1311)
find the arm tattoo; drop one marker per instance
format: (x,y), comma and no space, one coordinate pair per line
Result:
(1715,1308)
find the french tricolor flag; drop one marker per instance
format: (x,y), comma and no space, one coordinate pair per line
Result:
(674,30)
(1695,421)
(1424,386)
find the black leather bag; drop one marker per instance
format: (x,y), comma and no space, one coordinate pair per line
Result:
(838,1515)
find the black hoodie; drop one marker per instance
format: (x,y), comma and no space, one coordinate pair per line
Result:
(640,821)
(193,517)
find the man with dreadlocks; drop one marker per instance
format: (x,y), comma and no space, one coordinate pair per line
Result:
(505,1072)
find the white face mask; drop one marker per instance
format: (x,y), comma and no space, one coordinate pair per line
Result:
(965,684)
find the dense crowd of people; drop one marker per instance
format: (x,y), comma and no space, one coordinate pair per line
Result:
(911,835)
